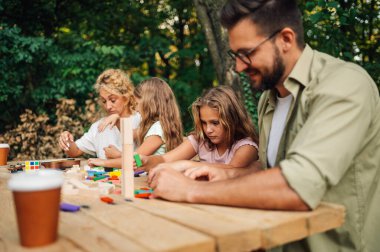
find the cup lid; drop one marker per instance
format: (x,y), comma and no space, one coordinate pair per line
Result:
(36,180)
(4,145)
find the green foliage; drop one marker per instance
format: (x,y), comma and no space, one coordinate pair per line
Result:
(345,29)
(55,49)
(251,98)
(50,50)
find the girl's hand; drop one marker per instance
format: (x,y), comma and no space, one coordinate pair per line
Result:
(64,140)
(112,152)
(144,160)
(110,121)
(95,162)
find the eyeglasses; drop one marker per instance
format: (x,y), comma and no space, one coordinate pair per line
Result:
(245,55)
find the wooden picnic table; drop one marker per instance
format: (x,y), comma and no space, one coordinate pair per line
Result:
(158,225)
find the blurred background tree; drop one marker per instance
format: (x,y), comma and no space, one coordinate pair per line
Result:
(51,50)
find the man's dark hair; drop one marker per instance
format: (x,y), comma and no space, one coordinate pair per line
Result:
(268,15)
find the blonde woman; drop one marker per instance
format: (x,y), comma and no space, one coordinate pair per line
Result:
(160,128)
(223,136)
(115,91)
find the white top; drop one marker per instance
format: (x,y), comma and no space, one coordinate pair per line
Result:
(156,130)
(36,181)
(277,128)
(4,145)
(212,156)
(93,142)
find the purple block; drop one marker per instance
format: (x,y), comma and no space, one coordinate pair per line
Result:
(66,207)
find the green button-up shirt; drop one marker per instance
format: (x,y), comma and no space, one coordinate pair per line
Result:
(330,148)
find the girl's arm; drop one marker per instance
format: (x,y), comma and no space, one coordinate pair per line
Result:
(150,145)
(112,163)
(244,156)
(184,151)
(110,120)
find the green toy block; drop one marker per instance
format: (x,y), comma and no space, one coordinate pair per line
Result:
(137,160)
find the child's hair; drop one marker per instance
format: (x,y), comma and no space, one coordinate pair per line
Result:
(158,103)
(117,82)
(232,115)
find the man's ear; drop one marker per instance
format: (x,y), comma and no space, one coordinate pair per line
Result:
(287,39)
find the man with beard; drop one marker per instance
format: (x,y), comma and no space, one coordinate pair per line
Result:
(319,125)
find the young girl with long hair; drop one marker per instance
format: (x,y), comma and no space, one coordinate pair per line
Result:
(223,135)
(160,128)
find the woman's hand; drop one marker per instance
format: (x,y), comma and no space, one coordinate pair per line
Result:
(110,121)
(95,162)
(112,152)
(64,140)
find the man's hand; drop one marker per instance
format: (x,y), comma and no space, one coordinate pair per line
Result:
(210,173)
(170,184)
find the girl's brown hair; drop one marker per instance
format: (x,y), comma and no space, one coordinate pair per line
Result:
(158,103)
(117,82)
(232,115)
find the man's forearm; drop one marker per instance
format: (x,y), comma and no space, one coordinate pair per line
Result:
(263,190)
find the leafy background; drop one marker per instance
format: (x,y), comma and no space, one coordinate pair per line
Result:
(52,51)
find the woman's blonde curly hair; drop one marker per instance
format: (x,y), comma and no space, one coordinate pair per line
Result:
(117,82)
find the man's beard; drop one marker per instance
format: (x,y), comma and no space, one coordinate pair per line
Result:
(270,80)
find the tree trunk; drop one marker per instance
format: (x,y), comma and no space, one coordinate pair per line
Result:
(217,41)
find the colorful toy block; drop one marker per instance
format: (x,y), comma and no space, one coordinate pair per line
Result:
(116,173)
(32,165)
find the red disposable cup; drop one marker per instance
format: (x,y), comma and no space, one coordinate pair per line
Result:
(4,150)
(37,197)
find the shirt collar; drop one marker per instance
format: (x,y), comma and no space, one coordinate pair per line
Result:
(301,70)
(300,74)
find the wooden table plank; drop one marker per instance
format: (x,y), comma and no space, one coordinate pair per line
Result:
(280,227)
(92,235)
(149,231)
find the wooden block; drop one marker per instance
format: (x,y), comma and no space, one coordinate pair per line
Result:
(105,188)
(78,184)
(127,158)
(68,189)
